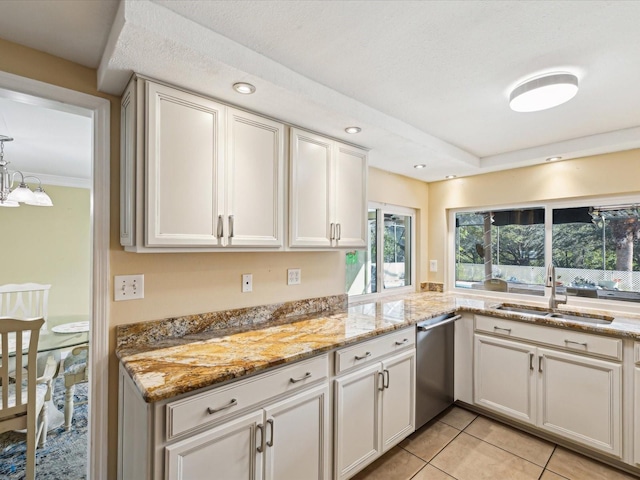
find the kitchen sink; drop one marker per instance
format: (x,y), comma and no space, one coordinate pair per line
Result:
(560,315)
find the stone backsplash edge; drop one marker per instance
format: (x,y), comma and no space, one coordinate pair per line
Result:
(145,333)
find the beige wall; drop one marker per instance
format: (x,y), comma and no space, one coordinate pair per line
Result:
(610,175)
(50,245)
(385,187)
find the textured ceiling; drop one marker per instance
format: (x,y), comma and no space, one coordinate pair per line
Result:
(428,81)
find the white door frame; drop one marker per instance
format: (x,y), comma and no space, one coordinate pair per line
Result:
(98,109)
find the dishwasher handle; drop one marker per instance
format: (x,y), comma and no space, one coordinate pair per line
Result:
(436,325)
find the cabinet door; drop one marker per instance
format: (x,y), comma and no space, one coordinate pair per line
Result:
(350,178)
(580,398)
(183,161)
(255,189)
(357,430)
(297,445)
(504,377)
(398,398)
(310,190)
(228,451)
(128,129)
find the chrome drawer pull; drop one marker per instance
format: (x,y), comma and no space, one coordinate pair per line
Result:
(304,377)
(366,355)
(380,379)
(332,235)
(232,403)
(261,444)
(584,344)
(508,330)
(270,442)
(220,230)
(231,226)
(387,375)
(540,364)
(402,342)
(338,231)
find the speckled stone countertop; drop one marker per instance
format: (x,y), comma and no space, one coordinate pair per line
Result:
(173,356)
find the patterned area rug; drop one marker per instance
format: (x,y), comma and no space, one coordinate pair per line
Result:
(63,457)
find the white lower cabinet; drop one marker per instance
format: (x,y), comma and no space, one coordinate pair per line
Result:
(286,440)
(574,396)
(374,410)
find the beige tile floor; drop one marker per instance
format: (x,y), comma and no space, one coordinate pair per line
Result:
(460,445)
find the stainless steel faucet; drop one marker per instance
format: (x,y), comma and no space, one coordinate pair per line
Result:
(551,282)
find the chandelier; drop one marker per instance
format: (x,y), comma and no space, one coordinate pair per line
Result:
(13,197)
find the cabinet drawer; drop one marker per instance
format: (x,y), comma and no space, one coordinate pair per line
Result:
(210,406)
(570,340)
(365,352)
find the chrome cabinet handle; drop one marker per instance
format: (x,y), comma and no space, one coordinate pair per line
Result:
(402,342)
(270,442)
(220,230)
(230,226)
(508,330)
(531,361)
(261,444)
(304,377)
(366,355)
(338,231)
(540,364)
(232,403)
(388,376)
(333,232)
(381,379)
(584,344)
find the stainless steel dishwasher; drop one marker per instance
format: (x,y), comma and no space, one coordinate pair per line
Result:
(434,367)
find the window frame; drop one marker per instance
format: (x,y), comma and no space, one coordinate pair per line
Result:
(549,206)
(381,209)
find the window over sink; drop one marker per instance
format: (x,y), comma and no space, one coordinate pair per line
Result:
(595,249)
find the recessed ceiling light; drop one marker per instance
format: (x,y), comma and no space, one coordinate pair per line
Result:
(544,92)
(553,159)
(421,165)
(353,129)
(448,177)
(244,88)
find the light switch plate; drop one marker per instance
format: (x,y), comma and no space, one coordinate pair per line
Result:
(433,265)
(128,287)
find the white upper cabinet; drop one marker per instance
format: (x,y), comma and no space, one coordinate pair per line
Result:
(184,168)
(328,195)
(197,175)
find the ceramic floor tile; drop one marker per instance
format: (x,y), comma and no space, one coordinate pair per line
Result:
(549,475)
(468,458)
(578,467)
(457,417)
(396,464)
(512,440)
(429,440)
(430,472)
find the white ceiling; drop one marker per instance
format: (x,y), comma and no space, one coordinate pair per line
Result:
(428,81)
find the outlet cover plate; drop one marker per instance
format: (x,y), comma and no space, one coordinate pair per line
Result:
(247,283)
(294,276)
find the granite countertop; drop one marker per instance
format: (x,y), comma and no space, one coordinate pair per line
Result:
(188,358)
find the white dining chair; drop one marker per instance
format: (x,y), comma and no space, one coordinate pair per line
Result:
(23,404)
(25,300)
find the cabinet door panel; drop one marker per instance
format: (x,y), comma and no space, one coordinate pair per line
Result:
(357,431)
(299,431)
(580,399)
(350,196)
(310,194)
(228,451)
(398,399)
(183,156)
(255,154)
(504,379)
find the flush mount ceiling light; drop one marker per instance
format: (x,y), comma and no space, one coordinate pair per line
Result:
(449,177)
(553,159)
(421,165)
(353,129)
(244,88)
(544,92)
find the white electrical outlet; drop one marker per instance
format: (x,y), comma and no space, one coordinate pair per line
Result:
(128,287)
(294,276)
(247,283)
(433,265)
